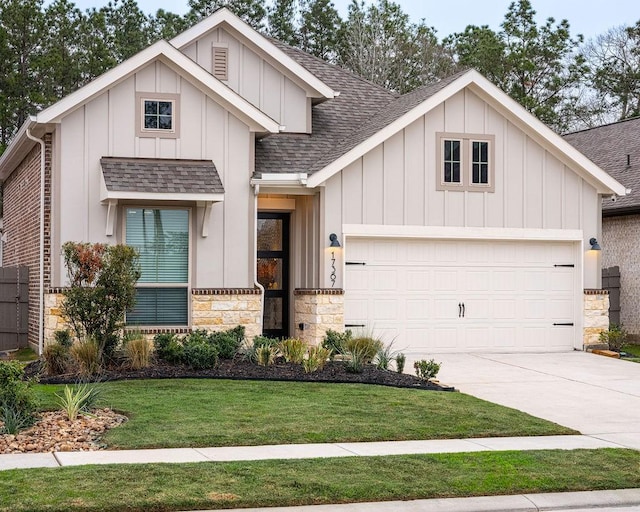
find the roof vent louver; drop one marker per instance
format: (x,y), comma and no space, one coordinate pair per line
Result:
(220,63)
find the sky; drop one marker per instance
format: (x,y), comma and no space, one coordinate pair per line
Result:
(587,17)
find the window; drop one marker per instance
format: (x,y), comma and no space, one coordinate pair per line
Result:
(161,237)
(157,115)
(465,162)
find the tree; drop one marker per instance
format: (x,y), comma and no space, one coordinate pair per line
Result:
(251,11)
(102,288)
(538,66)
(167,25)
(282,26)
(128,28)
(320,29)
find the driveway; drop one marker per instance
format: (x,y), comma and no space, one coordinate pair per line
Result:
(595,395)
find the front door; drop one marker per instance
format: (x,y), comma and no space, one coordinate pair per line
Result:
(273,272)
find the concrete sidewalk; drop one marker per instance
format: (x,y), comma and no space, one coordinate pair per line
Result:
(300,451)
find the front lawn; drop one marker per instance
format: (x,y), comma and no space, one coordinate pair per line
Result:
(170,487)
(634,350)
(204,412)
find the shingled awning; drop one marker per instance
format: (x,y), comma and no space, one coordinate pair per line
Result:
(159,179)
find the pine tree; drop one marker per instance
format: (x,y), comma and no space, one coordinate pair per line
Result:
(320,29)
(253,12)
(282,21)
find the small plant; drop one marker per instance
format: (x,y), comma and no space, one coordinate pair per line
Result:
(168,348)
(401,359)
(316,359)
(615,337)
(357,358)
(426,370)
(385,356)
(266,354)
(56,358)
(335,341)
(63,338)
(81,399)
(250,350)
(137,352)
(293,350)
(17,400)
(14,420)
(366,346)
(200,356)
(227,342)
(86,353)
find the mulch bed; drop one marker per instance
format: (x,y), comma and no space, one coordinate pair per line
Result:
(334,371)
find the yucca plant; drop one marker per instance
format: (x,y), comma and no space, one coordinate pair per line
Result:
(316,359)
(81,398)
(293,350)
(266,354)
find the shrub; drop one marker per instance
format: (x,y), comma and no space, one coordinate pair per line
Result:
(17,400)
(365,346)
(63,338)
(102,288)
(227,343)
(293,350)
(356,360)
(168,348)
(426,370)
(316,359)
(384,356)
(335,341)
(615,337)
(87,355)
(259,341)
(56,358)
(137,352)
(401,359)
(200,356)
(265,355)
(82,398)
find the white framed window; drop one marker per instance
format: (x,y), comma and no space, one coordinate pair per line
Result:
(157,115)
(465,162)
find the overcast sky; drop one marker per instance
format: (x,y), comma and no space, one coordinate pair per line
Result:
(587,17)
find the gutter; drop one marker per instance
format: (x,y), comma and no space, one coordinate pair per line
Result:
(275,179)
(41,265)
(256,191)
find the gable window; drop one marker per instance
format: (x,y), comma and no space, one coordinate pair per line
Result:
(161,237)
(465,162)
(157,115)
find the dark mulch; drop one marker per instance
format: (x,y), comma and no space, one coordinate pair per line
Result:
(334,371)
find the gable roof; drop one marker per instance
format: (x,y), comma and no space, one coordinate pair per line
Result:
(264,46)
(616,149)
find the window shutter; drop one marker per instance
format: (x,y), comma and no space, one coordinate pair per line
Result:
(220,62)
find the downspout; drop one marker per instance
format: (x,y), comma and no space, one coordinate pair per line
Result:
(41,284)
(256,191)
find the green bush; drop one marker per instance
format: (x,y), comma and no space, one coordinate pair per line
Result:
(56,358)
(335,341)
(365,346)
(17,400)
(426,370)
(168,348)
(615,337)
(227,342)
(401,359)
(63,338)
(200,356)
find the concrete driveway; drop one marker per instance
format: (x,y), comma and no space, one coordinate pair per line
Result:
(595,395)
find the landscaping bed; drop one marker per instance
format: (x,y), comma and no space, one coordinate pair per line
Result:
(333,371)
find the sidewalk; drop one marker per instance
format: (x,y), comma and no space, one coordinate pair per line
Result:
(301,451)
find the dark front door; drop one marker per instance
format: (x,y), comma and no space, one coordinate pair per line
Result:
(273,271)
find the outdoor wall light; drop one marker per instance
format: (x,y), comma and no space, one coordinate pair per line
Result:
(594,245)
(334,240)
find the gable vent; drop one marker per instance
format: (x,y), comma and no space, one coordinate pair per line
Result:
(220,62)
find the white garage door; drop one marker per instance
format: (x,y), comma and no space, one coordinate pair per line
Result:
(463,296)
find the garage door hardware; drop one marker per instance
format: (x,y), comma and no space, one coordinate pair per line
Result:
(563,323)
(354,263)
(461,309)
(570,265)
(354,325)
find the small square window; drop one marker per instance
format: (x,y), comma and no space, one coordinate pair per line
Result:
(157,115)
(465,162)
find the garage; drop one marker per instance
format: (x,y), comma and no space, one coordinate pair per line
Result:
(465,295)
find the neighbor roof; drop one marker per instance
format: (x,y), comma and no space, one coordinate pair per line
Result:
(609,146)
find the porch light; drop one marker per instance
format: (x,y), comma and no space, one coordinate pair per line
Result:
(334,240)
(594,245)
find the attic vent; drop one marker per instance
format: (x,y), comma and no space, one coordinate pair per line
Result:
(220,62)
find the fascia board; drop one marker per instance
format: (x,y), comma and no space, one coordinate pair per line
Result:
(17,149)
(107,195)
(271,51)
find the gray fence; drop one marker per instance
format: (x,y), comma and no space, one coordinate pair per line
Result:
(611,283)
(14,307)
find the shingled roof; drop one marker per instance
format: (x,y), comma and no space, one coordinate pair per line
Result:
(161,176)
(615,148)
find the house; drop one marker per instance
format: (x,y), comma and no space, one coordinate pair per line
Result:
(615,148)
(266,188)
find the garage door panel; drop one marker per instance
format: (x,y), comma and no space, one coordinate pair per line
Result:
(511,291)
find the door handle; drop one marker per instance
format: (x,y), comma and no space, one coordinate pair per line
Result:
(463,309)
(459,309)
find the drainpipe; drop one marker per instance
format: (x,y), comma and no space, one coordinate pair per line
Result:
(256,191)
(41,284)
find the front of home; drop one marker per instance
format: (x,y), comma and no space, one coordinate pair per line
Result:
(266,188)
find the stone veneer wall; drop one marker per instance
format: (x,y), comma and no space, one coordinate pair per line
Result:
(620,242)
(596,316)
(53,319)
(317,310)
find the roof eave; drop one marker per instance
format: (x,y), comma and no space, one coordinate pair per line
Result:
(19,147)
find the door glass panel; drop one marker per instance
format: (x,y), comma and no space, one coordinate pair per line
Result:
(272,313)
(269,234)
(270,273)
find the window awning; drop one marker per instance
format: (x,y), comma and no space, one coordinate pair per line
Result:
(158,180)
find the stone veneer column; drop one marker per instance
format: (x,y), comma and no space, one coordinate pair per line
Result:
(596,316)
(53,319)
(316,311)
(219,309)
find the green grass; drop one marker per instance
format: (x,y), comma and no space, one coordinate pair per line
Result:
(202,412)
(168,487)
(24,355)
(634,350)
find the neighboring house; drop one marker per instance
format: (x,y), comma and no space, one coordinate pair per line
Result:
(231,160)
(616,149)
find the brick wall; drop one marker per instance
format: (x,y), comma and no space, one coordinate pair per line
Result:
(620,245)
(21,221)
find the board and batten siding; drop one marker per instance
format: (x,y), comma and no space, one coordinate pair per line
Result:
(253,78)
(105,126)
(395,183)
